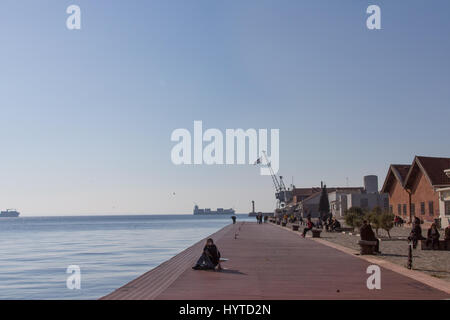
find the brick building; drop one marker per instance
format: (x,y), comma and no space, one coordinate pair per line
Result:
(413,189)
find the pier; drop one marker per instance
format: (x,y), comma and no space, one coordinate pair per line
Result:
(270,262)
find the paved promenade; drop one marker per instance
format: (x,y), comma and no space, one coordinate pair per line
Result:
(269,262)
(395,250)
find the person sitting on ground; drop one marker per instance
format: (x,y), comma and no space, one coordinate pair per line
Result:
(416,233)
(367,234)
(309,226)
(433,237)
(210,258)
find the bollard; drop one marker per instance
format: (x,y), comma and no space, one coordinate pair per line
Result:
(409,265)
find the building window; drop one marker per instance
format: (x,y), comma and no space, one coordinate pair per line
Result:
(391,209)
(386,203)
(431,208)
(413,209)
(399,209)
(422,207)
(447,208)
(404,209)
(364,203)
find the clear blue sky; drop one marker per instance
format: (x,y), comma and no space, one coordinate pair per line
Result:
(86,116)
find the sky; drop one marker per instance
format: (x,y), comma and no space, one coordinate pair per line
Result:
(86,115)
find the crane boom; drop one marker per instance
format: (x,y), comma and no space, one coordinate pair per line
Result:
(282,195)
(275,181)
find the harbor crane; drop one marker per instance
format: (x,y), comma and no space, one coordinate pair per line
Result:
(282,194)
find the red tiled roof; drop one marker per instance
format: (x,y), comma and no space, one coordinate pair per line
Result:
(434,169)
(397,171)
(402,170)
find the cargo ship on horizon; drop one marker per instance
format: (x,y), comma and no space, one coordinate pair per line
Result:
(9,213)
(208,211)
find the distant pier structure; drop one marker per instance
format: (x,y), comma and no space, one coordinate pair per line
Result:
(253,213)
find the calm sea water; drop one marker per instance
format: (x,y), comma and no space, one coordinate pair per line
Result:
(110,251)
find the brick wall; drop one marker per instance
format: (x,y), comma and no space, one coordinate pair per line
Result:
(399,196)
(422,194)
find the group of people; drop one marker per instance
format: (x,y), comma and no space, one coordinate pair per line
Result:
(332,224)
(433,235)
(398,221)
(260,218)
(415,235)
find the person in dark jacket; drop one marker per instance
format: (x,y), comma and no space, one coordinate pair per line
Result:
(447,237)
(335,225)
(210,258)
(367,234)
(329,223)
(433,236)
(416,232)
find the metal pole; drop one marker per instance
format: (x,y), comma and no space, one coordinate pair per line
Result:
(410,255)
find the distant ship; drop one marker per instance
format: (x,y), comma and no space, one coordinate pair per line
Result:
(208,211)
(9,213)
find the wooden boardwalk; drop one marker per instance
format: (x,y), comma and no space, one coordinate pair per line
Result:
(267,262)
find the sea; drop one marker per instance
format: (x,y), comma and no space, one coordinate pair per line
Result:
(40,256)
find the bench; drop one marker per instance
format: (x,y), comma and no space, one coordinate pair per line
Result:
(295,227)
(443,245)
(344,229)
(316,233)
(367,247)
